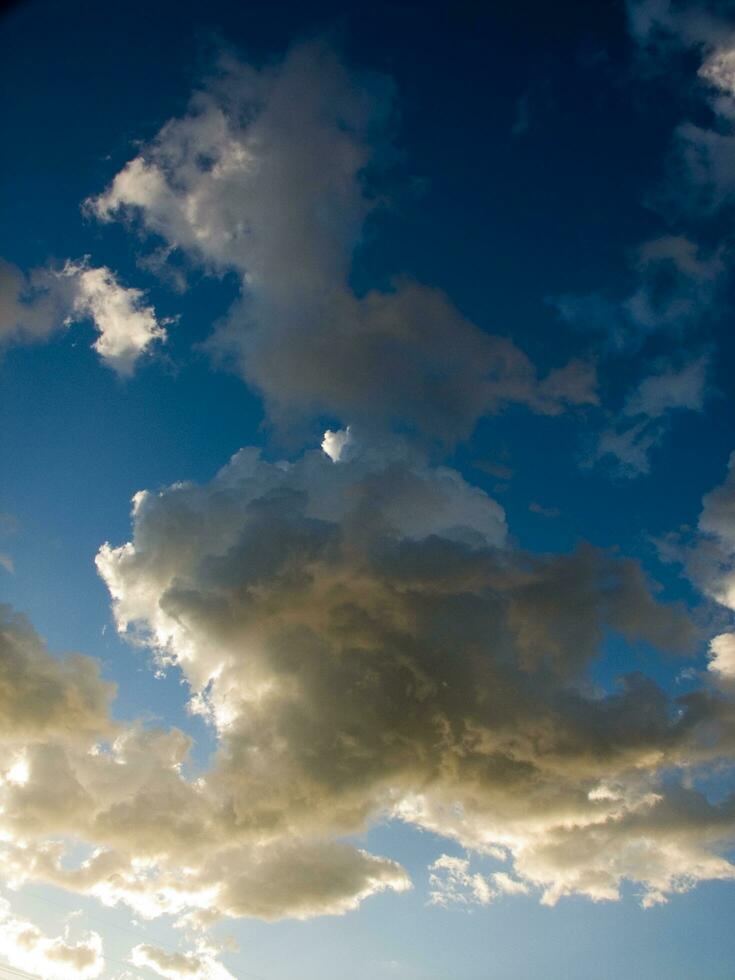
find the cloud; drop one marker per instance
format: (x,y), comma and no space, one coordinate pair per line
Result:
(700,179)
(542,511)
(42,697)
(670,389)
(677,285)
(48,300)
(522,121)
(355,625)
(334,444)
(272,174)
(647,416)
(199,965)
(452,882)
(722,656)
(366,645)
(127,327)
(358,661)
(27,948)
(710,557)
(535,103)
(157,841)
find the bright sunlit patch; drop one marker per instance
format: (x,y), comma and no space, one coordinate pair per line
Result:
(334,443)
(722,656)
(19,773)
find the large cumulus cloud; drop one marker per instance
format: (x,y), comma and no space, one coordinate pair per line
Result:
(357,660)
(367,645)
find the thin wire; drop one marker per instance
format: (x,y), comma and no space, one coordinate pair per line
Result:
(93,918)
(17,972)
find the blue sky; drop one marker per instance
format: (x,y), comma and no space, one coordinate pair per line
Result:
(490,252)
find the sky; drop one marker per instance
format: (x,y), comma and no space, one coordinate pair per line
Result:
(367,499)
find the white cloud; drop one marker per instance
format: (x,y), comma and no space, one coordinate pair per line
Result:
(722,656)
(49,300)
(506,885)
(335,443)
(710,560)
(26,947)
(708,555)
(201,964)
(452,882)
(127,326)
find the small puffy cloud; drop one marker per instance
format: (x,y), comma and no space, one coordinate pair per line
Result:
(267,175)
(505,885)
(711,560)
(35,306)
(628,447)
(675,285)
(700,167)
(647,416)
(26,947)
(127,326)
(452,882)
(335,443)
(29,313)
(708,556)
(718,509)
(201,964)
(670,389)
(722,656)
(542,511)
